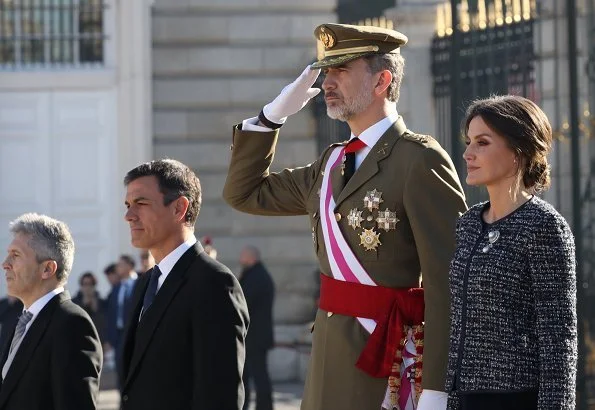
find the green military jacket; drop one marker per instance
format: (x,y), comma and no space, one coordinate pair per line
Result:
(417,180)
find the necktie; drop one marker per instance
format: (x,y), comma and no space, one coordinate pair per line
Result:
(20,329)
(151,289)
(351,148)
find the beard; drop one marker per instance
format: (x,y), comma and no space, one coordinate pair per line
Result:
(347,108)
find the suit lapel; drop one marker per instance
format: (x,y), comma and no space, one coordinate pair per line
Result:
(370,166)
(132,322)
(151,318)
(30,342)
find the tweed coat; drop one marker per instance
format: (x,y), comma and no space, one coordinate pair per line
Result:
(418,181)
(513,292)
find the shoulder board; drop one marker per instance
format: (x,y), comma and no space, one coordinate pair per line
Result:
(419,138)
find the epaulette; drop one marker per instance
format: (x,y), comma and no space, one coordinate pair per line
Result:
(419,138)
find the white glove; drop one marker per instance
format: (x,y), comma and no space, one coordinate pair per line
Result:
(293,97)
(432,400)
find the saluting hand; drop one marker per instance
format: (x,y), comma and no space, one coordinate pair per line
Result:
(293,97)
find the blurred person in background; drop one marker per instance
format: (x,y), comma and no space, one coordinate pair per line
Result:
(88,298)
(111,275)
(259,290)
(119,306)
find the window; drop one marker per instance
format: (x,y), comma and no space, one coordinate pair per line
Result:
(51,33)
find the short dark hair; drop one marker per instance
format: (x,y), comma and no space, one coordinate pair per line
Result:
(175,180)
(128,259)
(110,269)
(393,62)
(526,129)
(88,275)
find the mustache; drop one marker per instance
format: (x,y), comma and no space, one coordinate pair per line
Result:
(331,94)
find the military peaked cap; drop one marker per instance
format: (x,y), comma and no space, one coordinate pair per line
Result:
(343,42)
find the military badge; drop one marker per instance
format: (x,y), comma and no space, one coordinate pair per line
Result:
(373,199)
(370,239)
(355,218)
(327,38)
(387,220)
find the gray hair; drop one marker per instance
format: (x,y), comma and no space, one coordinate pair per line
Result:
(393,62)
(49,239)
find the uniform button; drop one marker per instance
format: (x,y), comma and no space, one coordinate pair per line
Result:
(338,216)
(329,314)
(125,397)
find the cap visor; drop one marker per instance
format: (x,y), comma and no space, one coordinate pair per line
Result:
(337,60)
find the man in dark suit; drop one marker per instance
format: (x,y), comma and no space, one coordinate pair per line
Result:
(184,343)
(119,308)
(53,357)
(259,290)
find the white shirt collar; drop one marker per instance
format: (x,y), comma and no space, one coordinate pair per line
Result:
(372,134)
(40,303)
(167,263)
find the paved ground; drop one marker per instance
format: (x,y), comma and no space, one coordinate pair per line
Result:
(286,396)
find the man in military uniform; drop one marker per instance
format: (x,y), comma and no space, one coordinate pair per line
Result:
(382,209)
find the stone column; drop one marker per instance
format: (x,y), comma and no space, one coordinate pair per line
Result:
(416,19)
(132,63)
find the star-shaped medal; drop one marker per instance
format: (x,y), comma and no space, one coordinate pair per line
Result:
(370,239)
(373,199)
(387,220)
(355,218)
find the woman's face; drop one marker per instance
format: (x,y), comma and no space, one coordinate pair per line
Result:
(490,161)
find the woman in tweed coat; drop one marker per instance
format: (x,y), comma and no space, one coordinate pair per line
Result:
(513,342)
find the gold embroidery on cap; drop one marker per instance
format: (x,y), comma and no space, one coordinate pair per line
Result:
(327,38)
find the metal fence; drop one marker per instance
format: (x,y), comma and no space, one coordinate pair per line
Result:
(51,33)
(491,52)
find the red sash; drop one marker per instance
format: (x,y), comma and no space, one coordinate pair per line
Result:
(392,309)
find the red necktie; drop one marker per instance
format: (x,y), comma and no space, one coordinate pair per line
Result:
(354,145)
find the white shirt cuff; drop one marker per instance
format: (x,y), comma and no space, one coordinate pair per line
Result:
(432,400)
(251,125)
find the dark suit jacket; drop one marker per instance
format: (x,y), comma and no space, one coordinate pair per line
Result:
(58,363)
(187,351)
(97,316)
(259,291)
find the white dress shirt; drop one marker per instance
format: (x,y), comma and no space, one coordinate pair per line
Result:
(167,263)
(34,309)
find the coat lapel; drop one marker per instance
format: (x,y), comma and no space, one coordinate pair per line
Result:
(30,342)
(151,318)
(369,167)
